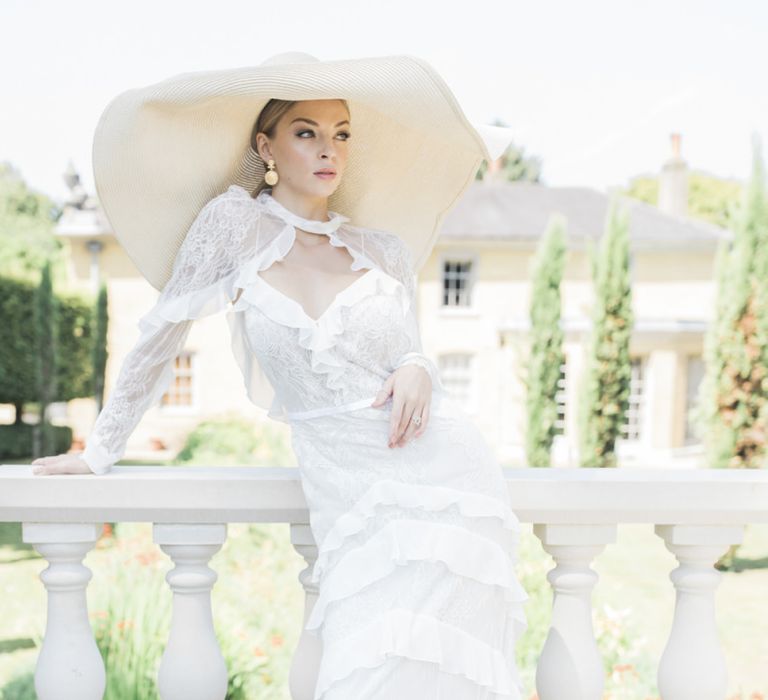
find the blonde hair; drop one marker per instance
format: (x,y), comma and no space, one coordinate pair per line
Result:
(267,122)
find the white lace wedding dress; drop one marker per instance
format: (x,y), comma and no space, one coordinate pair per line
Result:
(418,598)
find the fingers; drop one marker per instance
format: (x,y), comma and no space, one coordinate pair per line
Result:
(401,416)
(381,397)
(416,430)
(424,420)
(395,419)
(384,392)
(410,429)
(47,460)
(60,464)
(408,401)
(407,428)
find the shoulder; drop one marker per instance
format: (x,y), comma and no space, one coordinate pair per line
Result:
(234,198)
(392,253)
(231,210)
(388,241)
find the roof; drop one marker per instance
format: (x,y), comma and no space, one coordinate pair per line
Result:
(520,211)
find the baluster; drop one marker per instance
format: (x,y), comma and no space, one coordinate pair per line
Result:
(306,658)
(69,664)
(692,666)
(192,666)
(570,665)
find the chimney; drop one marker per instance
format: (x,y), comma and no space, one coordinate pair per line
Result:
(673,182)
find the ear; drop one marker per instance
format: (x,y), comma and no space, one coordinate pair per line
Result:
(262,147)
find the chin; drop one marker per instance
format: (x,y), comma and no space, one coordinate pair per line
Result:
(326,188)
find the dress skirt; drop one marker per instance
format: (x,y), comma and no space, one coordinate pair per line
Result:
(418,598)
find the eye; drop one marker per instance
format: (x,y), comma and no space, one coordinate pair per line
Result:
(346,134)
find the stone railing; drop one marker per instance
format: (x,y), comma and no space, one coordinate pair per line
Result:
(574,512)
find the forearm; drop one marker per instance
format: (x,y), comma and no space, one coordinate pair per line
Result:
(144,376)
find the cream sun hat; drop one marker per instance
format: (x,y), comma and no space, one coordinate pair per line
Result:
(161,152)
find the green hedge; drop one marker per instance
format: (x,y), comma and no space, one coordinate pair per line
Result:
(16,440)
(74,371)
(19,349)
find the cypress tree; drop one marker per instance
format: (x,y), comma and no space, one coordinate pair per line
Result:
(100,352)
(546,355)
(605,391)
(732,411)
(46,324)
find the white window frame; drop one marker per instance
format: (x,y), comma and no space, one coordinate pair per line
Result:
(561,397)
(194,407)
(458,255)
(642,361)
(689,437)
(470,406)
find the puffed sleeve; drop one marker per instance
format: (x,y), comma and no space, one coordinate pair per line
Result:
(399,261)
(202,282)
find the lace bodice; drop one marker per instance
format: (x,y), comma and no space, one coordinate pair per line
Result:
(290,361)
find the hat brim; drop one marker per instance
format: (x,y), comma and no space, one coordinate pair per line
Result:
(161,152)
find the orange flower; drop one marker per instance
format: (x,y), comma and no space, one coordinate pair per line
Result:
(148,558)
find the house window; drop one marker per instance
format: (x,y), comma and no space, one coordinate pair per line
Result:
(456,376)
(180,392)
(631,429)
(694,377)
(456,282)
(560,400)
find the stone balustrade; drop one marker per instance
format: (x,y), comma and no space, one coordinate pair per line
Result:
(575,513)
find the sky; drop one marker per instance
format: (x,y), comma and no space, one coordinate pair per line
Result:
(593,88)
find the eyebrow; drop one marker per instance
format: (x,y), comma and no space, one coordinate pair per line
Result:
(309,121)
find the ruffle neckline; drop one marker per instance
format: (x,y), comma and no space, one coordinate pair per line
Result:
(316,335)
(275,304)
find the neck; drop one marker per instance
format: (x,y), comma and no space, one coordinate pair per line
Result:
(327,224)
(312,208)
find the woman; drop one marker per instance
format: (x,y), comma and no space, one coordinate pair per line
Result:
(416,538)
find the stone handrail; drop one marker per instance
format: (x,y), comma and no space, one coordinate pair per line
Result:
(574,512)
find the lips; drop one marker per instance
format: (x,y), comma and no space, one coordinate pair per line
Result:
(325,171)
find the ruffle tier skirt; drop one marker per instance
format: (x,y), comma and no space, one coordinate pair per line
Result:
(418,598)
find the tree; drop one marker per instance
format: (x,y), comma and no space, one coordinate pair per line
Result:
(513,165)
(100,353)
(27,240)
(605,392)
(732,409)
(710,198)
(46,324)
(546,356)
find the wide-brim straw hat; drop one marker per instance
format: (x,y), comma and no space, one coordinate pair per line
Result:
(161,152)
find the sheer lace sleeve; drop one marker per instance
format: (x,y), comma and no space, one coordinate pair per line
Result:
(144,376)
(398,260)
(202,282)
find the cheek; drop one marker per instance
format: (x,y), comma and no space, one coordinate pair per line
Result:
(298,155)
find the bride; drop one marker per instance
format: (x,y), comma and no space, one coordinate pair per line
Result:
(418,597)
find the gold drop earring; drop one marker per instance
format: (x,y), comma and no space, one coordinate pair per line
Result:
(271,176)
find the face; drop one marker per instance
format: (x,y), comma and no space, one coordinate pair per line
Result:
(312,135)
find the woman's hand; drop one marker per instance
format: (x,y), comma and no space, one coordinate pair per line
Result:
(411,389)
(61,464)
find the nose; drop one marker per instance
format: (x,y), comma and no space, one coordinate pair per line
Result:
(328,149)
